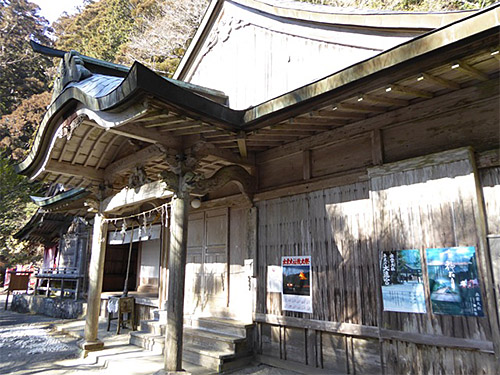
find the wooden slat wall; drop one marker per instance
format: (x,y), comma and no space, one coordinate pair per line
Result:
(333,226)
(490,183)
(420,204)
(316,224)
(429,207)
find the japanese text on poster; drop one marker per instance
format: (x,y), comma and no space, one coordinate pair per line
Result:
(296,283)
(402,284)
(454,282)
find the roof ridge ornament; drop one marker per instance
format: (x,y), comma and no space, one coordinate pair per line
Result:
(71,69)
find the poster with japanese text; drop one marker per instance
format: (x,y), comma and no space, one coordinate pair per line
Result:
(402,282)
(454,282)
(274,279)
(296,294)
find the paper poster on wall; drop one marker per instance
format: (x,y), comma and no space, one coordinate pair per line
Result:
(296,284)
(454,281)
(402,283)
(274,279)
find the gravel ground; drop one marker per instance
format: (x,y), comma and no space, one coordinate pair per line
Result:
(27,349)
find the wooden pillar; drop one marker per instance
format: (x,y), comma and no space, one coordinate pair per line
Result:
(176,278)
(165,245)
(96,271)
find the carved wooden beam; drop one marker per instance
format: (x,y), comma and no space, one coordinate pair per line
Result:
(150,135)
(127,196)
(196,184)
(231,173)
(206,148)
(139,158)
(68,169)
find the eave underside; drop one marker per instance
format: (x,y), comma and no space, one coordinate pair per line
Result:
(94,156)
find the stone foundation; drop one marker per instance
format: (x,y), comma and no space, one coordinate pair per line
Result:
(55,307)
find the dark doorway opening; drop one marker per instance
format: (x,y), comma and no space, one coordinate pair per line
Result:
(115,267)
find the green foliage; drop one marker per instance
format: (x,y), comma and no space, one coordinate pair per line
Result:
(18,127)
(99,30)
(22,72)
(23,84)
(15,210)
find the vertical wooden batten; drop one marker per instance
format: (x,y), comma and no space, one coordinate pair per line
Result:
(486,264)
(306,164)
(377,147)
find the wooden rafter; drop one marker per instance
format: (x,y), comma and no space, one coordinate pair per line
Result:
(358,108)
(93,147)
(383,100)
(184,125)
(106,150)
(81,143)
(68,169)
(410,91)
(334,114)
(440,81)
(470,71)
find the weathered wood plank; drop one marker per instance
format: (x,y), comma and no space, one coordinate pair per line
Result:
(68,169)
(437,108)
(127,197)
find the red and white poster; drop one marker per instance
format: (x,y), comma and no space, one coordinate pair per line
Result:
(297,294)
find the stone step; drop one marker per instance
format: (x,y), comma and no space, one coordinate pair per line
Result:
(217,344)
(149,341)
(215,340)
(213,359)
(226,326)
(152,326)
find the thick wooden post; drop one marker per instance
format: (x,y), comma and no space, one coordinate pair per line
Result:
(165,246)
(176,278)
(96,271)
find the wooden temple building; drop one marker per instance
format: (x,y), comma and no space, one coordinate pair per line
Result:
(328,180)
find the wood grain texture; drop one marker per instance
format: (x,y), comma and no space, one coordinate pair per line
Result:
(420,203)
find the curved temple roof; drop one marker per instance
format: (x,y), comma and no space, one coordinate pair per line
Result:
(95,122)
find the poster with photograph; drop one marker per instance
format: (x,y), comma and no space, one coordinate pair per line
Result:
(402,283)
(296,294)
(454,281)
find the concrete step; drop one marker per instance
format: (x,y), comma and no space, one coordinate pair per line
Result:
(204,339)
(213,359)
(213,343)
(152,326)
(226,326)
(149,341)
(215,340)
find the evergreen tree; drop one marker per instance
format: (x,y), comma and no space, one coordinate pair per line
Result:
(15,210)
(99,30)
(22,72)
(18,127)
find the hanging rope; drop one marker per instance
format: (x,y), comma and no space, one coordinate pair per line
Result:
(144,225)
(162,209)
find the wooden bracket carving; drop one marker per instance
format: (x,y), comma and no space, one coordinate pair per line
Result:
(194,183)
(181,164)
(138,177)
(171,179)
(231,173)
